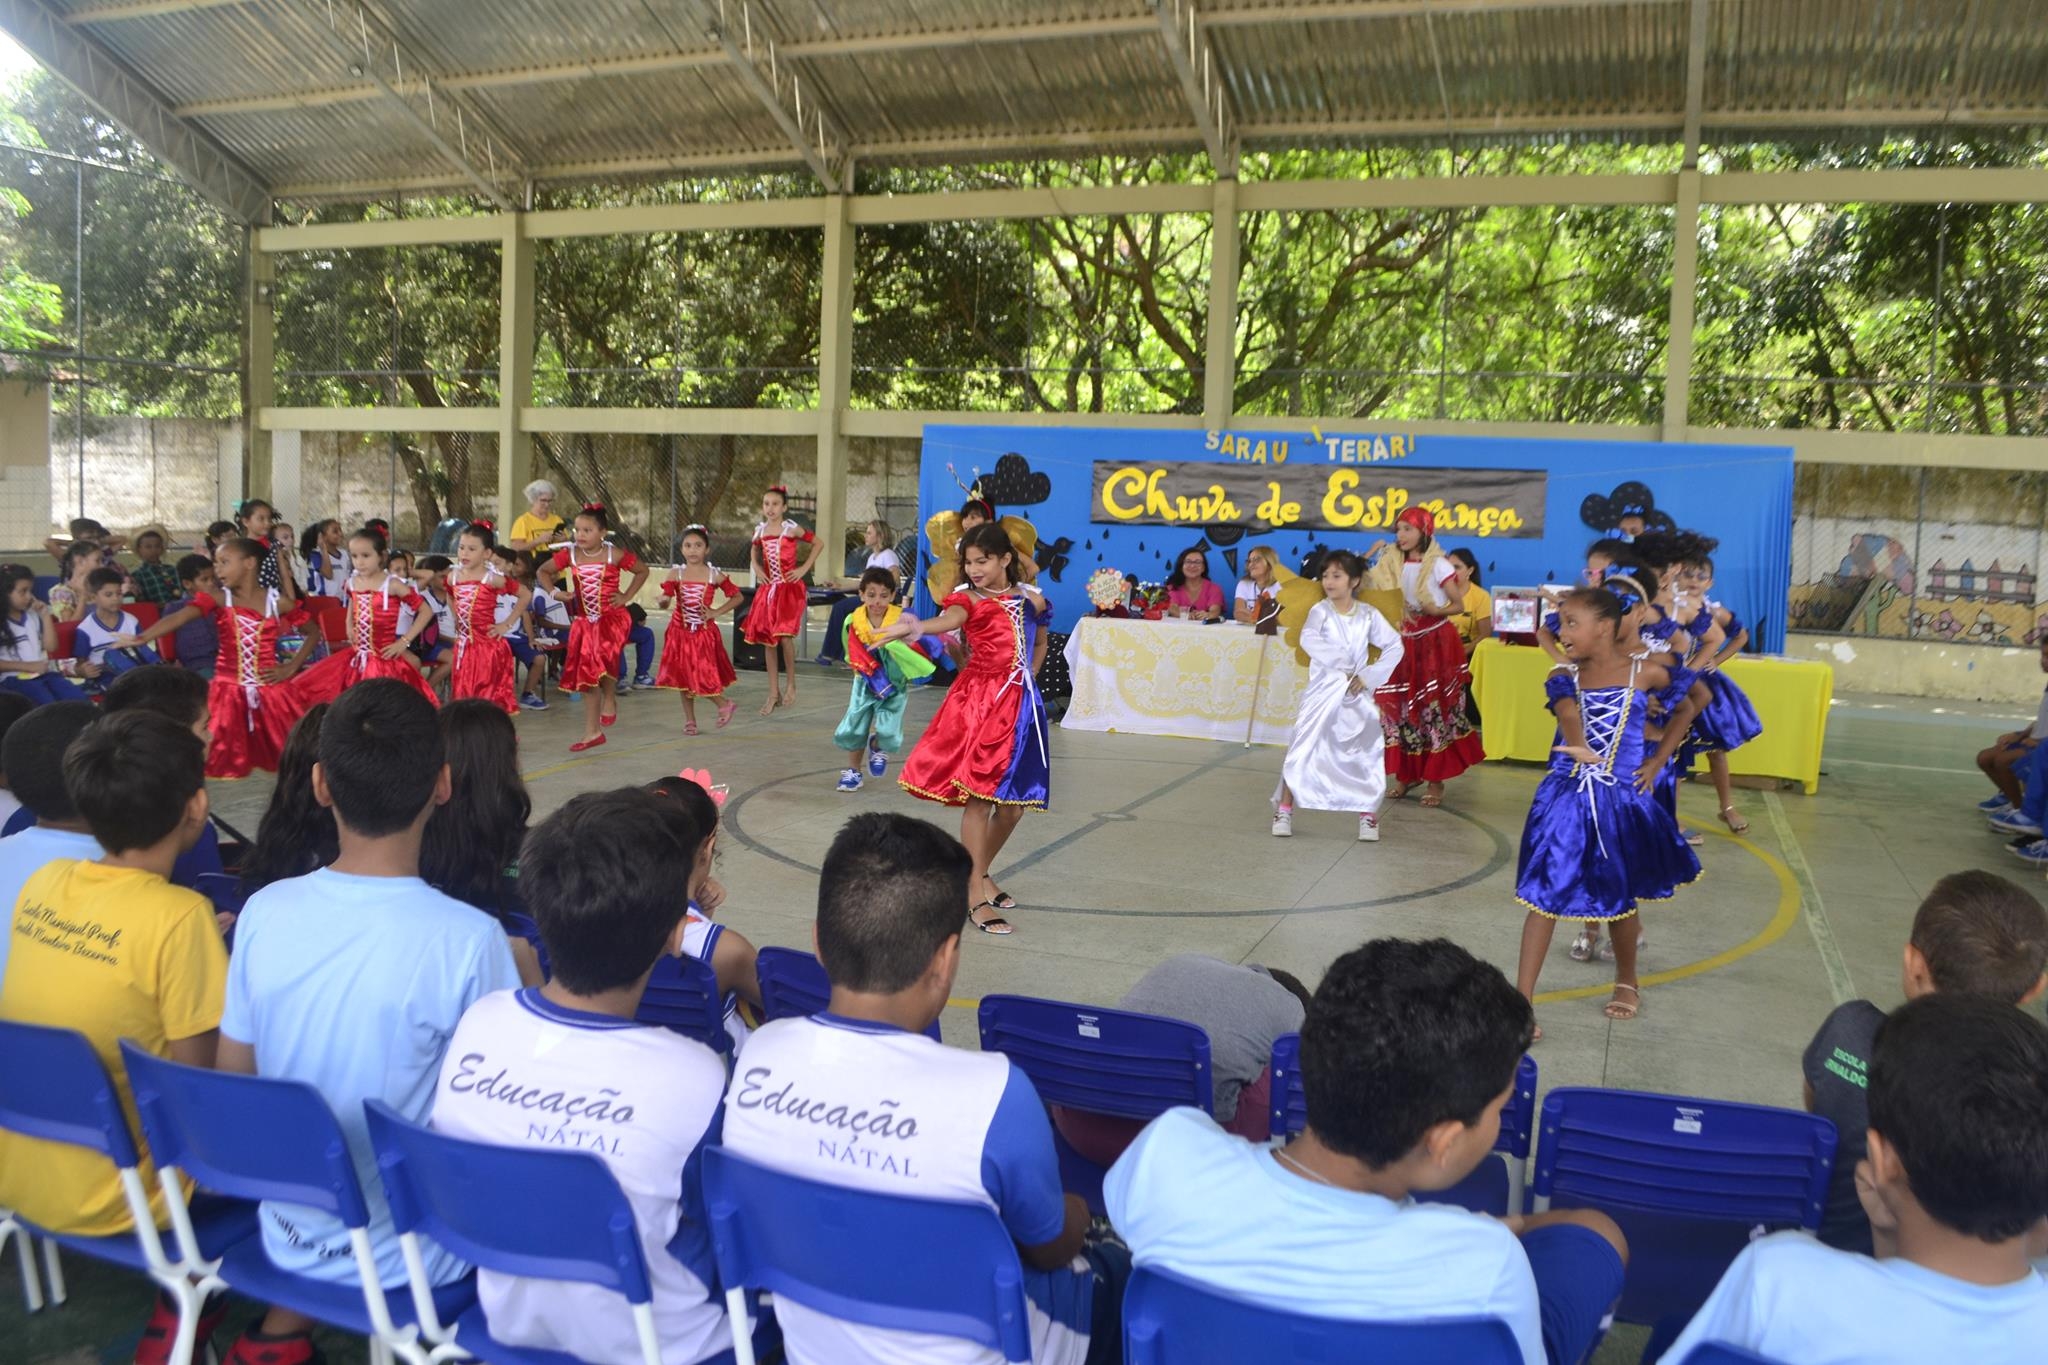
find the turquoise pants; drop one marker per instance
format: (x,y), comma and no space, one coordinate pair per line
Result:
(865,711)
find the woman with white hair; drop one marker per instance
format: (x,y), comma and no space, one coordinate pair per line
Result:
(538,526)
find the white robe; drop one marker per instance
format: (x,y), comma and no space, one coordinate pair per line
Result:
(1336,759)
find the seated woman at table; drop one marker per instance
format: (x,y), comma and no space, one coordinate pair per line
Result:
(1261,579)
(1474,618)
(1190,592)
(878,552)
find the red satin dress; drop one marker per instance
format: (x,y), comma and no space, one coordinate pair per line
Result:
(778,609)
(374,625)
(598,628)
(693,657)
(251,718)
(483,661)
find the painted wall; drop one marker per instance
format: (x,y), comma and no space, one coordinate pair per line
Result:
(1913,668)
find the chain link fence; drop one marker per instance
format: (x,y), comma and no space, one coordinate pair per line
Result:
(120,347)
(389,326)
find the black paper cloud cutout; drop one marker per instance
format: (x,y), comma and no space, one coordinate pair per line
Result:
(1013,484)
(1603,514)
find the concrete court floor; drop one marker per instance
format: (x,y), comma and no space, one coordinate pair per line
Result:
(1158,846)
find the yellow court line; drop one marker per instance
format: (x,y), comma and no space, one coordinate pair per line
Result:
(1781,922)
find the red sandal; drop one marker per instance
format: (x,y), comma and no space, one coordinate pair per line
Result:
(580,745)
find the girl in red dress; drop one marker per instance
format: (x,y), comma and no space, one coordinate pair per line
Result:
(592,568)
(484,668)
(1422,706)
(693,657)
(252,715)
(380,634)
(985,750)
(780,599)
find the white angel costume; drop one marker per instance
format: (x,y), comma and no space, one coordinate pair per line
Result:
(1336,758)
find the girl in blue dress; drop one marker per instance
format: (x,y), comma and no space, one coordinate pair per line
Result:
(1596,842)
(1728,720)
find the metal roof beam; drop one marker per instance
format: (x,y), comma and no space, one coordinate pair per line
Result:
(463,137)
(745,52)
(122,95)
(1340,10)
(1201,79)
(115,10)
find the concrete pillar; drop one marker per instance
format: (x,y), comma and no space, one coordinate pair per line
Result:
(515,367)
(1685,271)
(1219,362)
(835,377)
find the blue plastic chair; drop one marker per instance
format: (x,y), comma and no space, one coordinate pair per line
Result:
(53,1086)
(1495,1185)
(1721,1353)
(252,1137)
(571,1221)
(918,1265)
(1172,1321)
(1100,1061)
(1688,1180)
(794,986)
(683,997)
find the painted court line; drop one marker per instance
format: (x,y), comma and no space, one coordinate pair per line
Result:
(1816,911)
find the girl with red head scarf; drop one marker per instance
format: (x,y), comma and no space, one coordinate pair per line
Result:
(1422,706)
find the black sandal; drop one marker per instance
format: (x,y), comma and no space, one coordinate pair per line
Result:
(988,926)
(1002,900)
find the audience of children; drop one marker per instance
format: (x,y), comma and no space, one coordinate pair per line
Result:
(155,581)
(297,834)
(105,621)
(352,978)
(733,960)
(195,645)
(181,697)
(28,640)
(32,755)
(1975,934)
(471,848)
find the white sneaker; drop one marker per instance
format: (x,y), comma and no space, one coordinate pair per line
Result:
(1283,823)
(1368,829)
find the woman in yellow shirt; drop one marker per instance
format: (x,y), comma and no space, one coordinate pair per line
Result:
(538,526)
(1474,618)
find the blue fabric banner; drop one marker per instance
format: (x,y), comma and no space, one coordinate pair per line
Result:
(1135,500)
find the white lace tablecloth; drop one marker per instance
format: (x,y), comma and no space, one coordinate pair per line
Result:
(1181,679)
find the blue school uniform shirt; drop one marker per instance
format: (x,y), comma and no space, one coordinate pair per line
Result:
(1790,1298)
(869,1106)
(25,854)
(354,985)
(1191,1199)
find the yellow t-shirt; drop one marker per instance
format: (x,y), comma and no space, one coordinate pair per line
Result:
(527,526)
(1477,606)
(114,953)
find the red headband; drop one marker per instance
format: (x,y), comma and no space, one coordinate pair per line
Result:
(482,525)
(1420,518)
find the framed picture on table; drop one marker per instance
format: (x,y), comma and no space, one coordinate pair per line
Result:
(1517,611)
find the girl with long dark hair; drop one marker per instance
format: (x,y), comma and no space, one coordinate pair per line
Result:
(297,834)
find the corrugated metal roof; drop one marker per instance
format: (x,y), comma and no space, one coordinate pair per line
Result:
(585,88)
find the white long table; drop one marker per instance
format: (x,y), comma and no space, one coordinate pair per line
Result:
(1176,678)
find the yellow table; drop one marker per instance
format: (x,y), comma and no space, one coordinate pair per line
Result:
(1176,678)
(1791,698)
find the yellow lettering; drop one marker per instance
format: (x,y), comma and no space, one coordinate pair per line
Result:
(1398,448)
(1279,452)
(1259,453)
(1243,447)
(1129,481)
(1341,506)
(1276,512)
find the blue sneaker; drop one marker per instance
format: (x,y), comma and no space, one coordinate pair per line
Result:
(645,682)
(533,701)
(849,780)
(2013,822)
(878,762)
(2035,852)
(1994,804)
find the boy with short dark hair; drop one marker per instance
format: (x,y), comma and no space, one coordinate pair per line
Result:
(962,1125)
(1408,1053)
(155,581)
(1955,1180)
(196,644)
(181,695)
(872,728)
(602,875)
(352,978)
(110,948)
(32,756)
(1976,933)
(105,620)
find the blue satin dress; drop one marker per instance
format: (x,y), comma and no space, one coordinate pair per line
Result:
(1594,846)
(1727,722)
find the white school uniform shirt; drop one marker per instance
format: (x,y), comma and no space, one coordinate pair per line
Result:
(870,1106)
(522,1071)
(98,639)
(1790,1298)
(28,641)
